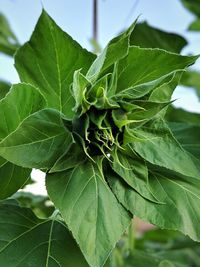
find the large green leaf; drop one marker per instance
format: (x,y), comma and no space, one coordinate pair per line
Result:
(156,144)
(39,140)
(144,65)
(12,178)
(147,36)
(27,130)
(180,196)
(49,60)
(144,89)
(39,242)
(8,41)
(89,208)
(116,49)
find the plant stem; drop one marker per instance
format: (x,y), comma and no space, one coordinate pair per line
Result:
(95,20)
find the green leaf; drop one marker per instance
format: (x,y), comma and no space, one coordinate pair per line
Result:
(79,88)
(179,193)
(38,142)
(143,111)
(22,101)
(147,36)
(98,94)
(12,178)
(23,126)
(4,89)
(144,65)
(8,41)
(89,208)
(38,242)
(164,92)
(116,49)
(157,145)
(187,136)
(50,65)
(70,160)
(142,90)
(179,258)
(134,172)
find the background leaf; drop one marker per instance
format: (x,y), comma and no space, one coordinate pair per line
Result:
(147,36)
(8,41)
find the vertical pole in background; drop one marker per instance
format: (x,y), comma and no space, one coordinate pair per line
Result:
(95,20)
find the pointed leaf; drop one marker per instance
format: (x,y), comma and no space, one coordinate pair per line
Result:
(158,146)
(70,160)
(90,210)
(142,90)
(49,60)
(134,172)
(179,193)
(116,49)
(143,65)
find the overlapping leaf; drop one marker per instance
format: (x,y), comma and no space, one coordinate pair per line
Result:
(116,49)
(180,197)
(149,65)
(156,144)
(89,208)
(34,137)
(38,142)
